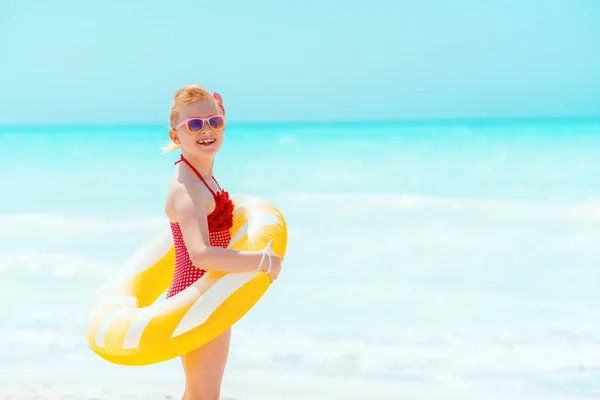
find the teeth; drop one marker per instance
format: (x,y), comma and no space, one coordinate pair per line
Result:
(207,141)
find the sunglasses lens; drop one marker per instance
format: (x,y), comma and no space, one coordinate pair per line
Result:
(195,125)
(216,122)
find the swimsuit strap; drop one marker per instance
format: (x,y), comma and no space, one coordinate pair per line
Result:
(213,178)
(199,176)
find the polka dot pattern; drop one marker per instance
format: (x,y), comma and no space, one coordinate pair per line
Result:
(219,223)
(185,271)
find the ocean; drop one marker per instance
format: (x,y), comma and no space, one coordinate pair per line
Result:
(430,256)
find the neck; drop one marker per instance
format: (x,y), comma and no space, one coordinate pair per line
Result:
(204,165)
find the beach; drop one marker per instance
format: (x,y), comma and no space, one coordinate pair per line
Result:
(82,386)
(426,260)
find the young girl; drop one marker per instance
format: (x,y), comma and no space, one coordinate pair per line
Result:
(201,214)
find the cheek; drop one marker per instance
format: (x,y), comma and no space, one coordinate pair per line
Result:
(187,138)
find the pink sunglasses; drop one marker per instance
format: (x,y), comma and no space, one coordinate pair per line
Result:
(216,122)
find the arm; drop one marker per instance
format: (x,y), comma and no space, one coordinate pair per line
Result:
(190,206)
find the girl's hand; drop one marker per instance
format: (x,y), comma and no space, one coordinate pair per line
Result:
(270,263)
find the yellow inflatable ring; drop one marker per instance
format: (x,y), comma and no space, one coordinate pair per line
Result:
(126,325)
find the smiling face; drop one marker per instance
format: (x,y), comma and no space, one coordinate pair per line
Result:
(197,121)
(198,128)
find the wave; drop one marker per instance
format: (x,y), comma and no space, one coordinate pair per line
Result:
(416,231)
(290,351)
(295,202)
(468,356)
(20,340)
(63,222)
(529,209)
(58,265)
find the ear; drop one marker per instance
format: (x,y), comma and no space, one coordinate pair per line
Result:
(174,137)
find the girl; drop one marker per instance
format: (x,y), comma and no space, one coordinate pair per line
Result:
(201,213)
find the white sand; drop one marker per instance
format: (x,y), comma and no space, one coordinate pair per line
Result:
(64,388)
(51,383)
(80,382)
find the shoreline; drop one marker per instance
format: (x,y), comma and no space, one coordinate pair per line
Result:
(82,380)
(45,382)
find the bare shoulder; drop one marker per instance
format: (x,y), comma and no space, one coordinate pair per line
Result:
(184,197)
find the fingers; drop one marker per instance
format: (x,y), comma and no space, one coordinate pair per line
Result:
(273,274)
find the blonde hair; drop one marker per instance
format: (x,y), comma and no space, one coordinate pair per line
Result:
(186,95)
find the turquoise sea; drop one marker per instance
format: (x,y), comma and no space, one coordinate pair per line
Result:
(424,254)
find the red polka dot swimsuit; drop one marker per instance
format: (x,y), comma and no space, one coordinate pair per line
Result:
(219,223)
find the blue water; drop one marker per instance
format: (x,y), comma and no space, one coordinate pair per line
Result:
(441,253)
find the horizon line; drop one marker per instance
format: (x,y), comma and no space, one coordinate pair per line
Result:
(317,122)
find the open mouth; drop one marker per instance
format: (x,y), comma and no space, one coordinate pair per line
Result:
(206,142)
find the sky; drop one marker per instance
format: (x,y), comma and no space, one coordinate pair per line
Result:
(121,62)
